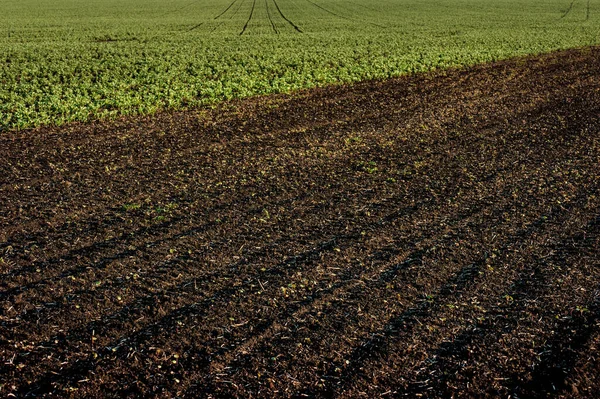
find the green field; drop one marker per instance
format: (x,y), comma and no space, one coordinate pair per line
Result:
(76,60)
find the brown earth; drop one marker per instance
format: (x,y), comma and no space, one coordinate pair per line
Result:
(429,236)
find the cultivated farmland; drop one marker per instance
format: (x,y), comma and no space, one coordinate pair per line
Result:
(75,60)
(435,234)
(431,234)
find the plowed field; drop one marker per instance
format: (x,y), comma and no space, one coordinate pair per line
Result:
(432,235)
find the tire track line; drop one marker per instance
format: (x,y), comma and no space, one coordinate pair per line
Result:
(249,18)
(230,17)
(568,9)
(293,25)
(217,17)
(587,11)
(195,27)
(182,8)
(344,17)
(225,10)
(583,364)
(270,19)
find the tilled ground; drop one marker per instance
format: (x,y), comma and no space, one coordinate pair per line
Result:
(435,235)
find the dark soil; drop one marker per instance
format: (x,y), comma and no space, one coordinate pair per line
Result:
(430,236)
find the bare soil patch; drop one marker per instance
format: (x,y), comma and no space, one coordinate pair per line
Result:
(435,235)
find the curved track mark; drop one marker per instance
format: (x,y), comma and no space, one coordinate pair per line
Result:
(270,19)
(587,10)
(216,27)
(181,8)
(568,9)
(195,27)
(225,10)
(230,17)
(249,18)
(237,9)
(217,17)
(285,18)
(344,17)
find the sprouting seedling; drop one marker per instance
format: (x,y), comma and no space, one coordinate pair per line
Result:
(131,207)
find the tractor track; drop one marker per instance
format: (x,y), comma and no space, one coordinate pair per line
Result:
(568,11)
(344,17)
(587,10)
(249,18)
(270,19)
(293,25)
(226,9)
(230,17)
